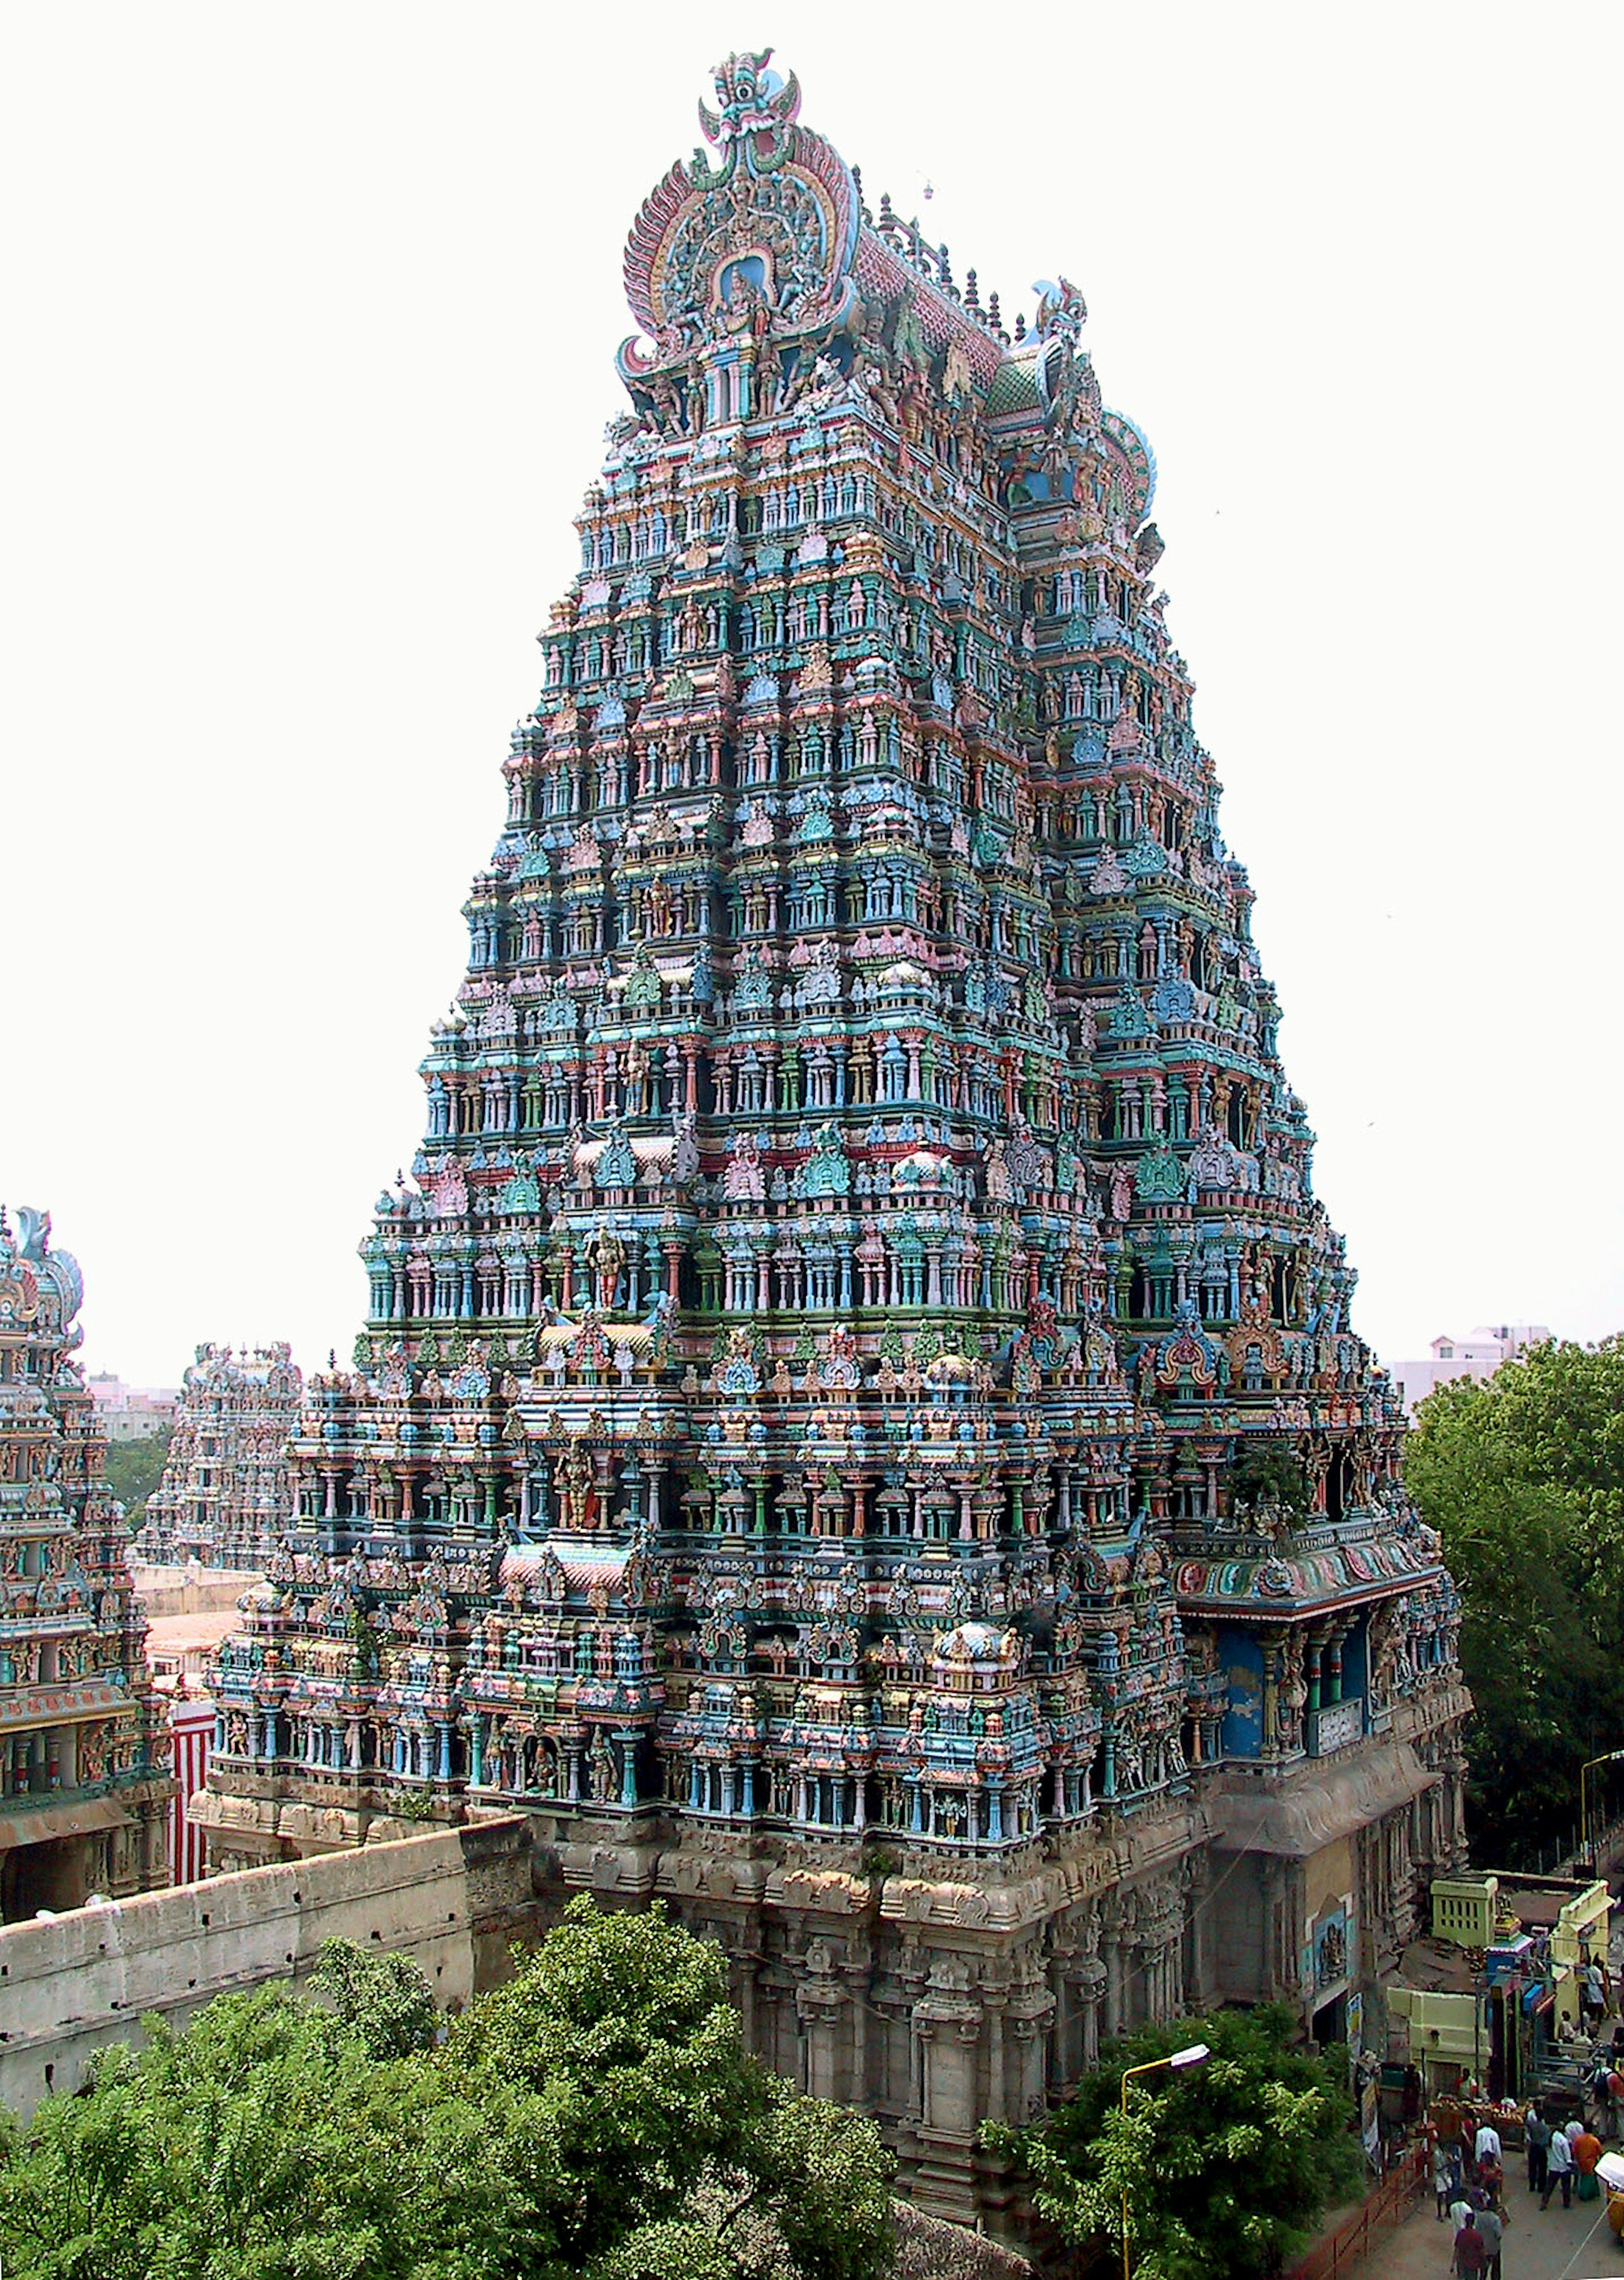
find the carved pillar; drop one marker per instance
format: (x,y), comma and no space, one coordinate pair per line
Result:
(1111,1931)
(856,1973)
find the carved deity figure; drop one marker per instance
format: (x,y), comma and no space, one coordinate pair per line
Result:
(606,1255)
(601,1762)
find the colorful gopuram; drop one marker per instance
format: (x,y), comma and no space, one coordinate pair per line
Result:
(84,1782)
(858,1428)
(226,1492)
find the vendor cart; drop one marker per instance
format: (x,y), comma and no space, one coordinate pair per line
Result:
(1609,2171)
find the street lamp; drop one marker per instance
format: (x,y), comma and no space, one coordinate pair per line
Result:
(1607,1758)
(1193,2056)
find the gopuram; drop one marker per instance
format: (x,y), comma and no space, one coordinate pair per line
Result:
(84,1747)
(226,1492)
(858,1428)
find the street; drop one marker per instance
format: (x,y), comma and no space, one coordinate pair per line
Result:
(1559,2245)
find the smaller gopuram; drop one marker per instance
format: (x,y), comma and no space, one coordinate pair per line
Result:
(83,1744)
(225,1497)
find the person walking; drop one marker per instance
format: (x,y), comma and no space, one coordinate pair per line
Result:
(1587,2153)
(1445,2176)
(1594,1992)
(1470,2256)
(1536,2136)
(1492,2225)
(1595,2093)
(1559,2169)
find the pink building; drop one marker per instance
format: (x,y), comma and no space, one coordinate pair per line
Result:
(1478,1356)
(131,1413)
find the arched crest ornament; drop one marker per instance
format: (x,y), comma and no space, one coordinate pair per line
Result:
(1188,1356)
(758,244)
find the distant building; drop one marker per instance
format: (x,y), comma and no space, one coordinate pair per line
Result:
(84,1784)
(1478,1356)
(224,1498)
(1498,1974)
(130,1413)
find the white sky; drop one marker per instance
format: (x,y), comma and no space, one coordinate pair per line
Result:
(309,318)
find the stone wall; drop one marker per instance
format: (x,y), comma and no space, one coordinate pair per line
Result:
(191,1589)
(71,1985)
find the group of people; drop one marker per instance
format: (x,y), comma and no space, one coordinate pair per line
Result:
(1560,2155)
(1470,2191)
(1470,2194)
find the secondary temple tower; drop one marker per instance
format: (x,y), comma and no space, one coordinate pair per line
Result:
(84,1784)
(226,1492)
(858,1427)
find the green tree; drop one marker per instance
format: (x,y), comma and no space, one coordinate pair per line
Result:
(595,2117)
(134,1469)
(1268,1473)
(1226,2166)
(263,2143)
(384,2000)
(1523,1477)
(645,2139)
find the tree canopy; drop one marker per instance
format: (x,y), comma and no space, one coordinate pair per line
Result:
(1523,1476)
(134,1469)
(263,2143)
(596,2116)
(645,2140)
(1227,2166)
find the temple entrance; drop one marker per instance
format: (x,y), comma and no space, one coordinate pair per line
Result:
(56,1875)
(1331,2022)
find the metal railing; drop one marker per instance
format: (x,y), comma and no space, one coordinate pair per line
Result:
(1606,1841)
(1386,2204)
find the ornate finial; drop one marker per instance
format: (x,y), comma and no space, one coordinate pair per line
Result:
(753,100)
(1061,309)
(973,299)
(33,1238)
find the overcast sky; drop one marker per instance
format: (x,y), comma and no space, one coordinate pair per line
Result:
(310,315)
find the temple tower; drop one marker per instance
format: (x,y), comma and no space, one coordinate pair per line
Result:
(84,1782)
(227,1493)
(858,1427)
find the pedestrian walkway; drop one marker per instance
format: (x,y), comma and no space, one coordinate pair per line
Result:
(1555,2244)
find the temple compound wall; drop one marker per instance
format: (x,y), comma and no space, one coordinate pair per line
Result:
(453,1900)
(858,1426)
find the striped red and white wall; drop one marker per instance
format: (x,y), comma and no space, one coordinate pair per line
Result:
(191,1725)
